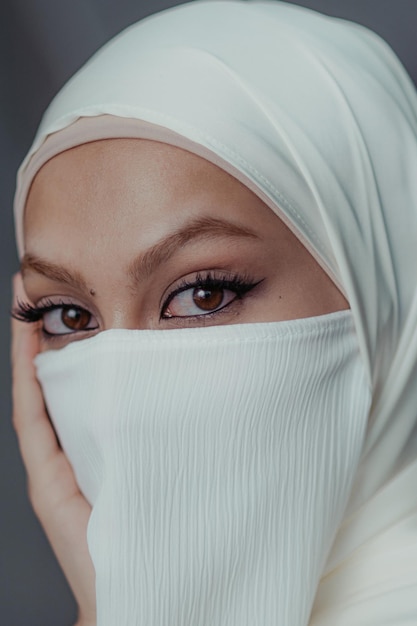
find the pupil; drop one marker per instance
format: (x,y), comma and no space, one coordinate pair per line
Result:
(76,319)
(207,299)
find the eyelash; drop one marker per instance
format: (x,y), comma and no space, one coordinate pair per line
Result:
(26,312)
(240,285)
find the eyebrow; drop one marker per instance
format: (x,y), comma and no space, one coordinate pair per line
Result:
(204,228)
(52,271)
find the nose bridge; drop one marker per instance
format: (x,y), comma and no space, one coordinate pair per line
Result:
(116,302)
(124,313)
(120,317)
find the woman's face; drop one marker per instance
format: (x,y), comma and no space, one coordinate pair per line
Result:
(129,233)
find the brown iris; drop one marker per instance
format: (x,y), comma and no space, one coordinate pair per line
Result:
(208,299)
(75,319)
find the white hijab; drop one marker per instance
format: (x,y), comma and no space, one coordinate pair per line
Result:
(318,118)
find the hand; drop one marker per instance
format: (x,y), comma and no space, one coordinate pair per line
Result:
(57,501)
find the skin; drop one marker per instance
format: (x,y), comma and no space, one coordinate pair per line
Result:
(94,222)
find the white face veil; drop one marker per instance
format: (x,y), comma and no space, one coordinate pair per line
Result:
(319,119)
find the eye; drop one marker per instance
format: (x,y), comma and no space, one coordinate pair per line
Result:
(199,301)
(63,320)
(57,319)
(206,295)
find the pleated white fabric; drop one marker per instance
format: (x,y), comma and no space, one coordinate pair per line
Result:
(318,117)
(218,460)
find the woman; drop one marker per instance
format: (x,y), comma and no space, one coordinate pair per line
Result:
(245,166)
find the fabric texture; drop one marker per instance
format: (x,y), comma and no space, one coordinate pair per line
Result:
(319,119)
(218,461)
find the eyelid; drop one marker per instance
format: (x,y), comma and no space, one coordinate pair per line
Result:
(198,277)
(55,301)
(239,284)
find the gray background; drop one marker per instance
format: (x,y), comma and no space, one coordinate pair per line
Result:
(42,43)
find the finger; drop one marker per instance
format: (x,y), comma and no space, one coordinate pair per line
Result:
(55,496)
(36,436)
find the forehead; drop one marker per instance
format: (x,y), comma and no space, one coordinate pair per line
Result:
(156,166)
(106,188)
